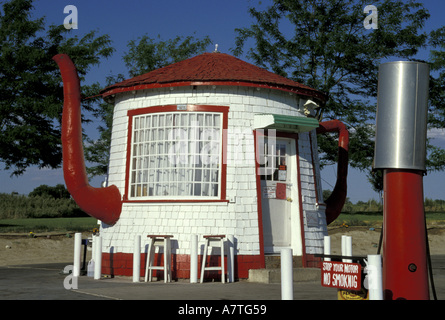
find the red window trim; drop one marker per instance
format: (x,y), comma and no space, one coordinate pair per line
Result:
(170,108)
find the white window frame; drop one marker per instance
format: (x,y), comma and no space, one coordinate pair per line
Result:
(166,174)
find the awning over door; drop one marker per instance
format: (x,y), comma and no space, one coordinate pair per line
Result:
(284,123)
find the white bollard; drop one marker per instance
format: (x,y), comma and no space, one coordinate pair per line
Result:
(194,259)
(137,259)
(346,248)
(287,281)
(343,246)
(98,259)
(231,258)
(349,248)
(93,247)
(327,247)
(77,249)
(375,286)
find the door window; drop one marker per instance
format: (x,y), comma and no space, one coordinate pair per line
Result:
(273,166)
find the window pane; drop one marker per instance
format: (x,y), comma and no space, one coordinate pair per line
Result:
(176,154)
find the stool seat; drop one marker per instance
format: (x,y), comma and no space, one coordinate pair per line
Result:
(213,241)
(159,236)
(159,241)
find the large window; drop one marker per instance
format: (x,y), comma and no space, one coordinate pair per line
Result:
(176,154)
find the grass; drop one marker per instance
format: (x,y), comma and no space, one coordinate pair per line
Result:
(369,219)
(376,219)
(47,225)
(358,219)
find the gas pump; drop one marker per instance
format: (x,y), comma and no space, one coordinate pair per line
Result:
(400,151)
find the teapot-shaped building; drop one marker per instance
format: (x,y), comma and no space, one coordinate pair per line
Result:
(207,146)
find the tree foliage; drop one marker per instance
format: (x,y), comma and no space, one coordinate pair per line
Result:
(324,44)
(30,84)
(56,192)
(147,54)
(97,151)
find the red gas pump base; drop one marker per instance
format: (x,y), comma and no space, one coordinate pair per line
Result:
(405,269)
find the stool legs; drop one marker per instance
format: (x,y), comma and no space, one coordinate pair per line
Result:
(167,260)
(223,273)
(204,258)
(150,258)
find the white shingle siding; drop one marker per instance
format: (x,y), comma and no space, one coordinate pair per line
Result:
(315,227)
(240,217)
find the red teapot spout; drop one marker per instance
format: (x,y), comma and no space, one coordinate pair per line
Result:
(105,204)
(336,201)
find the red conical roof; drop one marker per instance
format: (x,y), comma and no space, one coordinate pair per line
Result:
(212,69)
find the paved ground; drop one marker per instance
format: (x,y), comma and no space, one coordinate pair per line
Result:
(48,282)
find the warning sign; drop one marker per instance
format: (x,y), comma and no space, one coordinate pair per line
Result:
(341,275)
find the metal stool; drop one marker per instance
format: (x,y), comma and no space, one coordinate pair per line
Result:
(213,241)
(159,241)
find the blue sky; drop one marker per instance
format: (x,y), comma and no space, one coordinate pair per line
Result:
(127,20)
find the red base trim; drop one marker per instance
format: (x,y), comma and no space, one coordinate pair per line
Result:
(311,261)
(121,264)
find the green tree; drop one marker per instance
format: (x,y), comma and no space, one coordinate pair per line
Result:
(30,84)
(147,54)
(144,55)
(97,152)
(57,192)
(324,44)
(376,180)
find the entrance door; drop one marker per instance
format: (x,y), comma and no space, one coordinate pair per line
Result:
(275,173)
